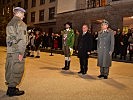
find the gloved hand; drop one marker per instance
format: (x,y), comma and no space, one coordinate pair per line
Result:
(71,51)
(110,53)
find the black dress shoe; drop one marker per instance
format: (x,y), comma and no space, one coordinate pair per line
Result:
(37,56)
(80,72)
(7,93)
(83,73)
(105,77)
(12,91)
(32,56)
(65,68)
(100,76)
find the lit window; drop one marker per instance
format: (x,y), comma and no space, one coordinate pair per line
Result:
(96,3)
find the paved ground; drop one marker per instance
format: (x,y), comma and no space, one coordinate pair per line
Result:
(44,80)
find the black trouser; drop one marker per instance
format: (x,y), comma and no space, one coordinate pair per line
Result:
(104,71)
(83,64)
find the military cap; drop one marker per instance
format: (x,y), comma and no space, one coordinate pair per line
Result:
(19,9)
(105,22)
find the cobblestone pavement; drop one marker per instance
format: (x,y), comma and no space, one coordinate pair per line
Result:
(44,80)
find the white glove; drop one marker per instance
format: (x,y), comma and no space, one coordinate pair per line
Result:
(71,51)
(110,53)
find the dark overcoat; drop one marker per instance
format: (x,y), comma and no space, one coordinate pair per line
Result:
(105,46)
(85,45)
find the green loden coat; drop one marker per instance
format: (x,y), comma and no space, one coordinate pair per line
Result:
(70,38)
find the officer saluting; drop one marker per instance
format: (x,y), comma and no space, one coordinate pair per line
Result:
(105,48)
(16,40)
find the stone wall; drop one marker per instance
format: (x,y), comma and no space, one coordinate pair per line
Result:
(114,13)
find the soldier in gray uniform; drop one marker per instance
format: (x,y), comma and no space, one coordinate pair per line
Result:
(105,48)
(16,40)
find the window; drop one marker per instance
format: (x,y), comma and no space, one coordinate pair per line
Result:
(51,13)
(26,4)
(41,15)
(19,4)
(13,5)
(3,2)
(96,3)
(52,0)
(32,16)
(42,2)
(33,3)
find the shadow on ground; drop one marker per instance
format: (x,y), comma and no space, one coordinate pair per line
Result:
(68,72)
(88,77)
(50,68)
(115,84)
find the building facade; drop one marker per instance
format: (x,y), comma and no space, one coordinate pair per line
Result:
(119,13)
(50,15)
(39,13)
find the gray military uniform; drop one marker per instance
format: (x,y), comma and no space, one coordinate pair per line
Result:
(104,46)
(16,40)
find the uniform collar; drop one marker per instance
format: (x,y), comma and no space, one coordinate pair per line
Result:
(68,29)
(16,17)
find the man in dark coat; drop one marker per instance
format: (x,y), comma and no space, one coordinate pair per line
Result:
(84,49)
(117,43)
(124,44)
(105,48)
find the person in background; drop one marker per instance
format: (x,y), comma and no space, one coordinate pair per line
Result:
(130,40)
(38,41)
(117,44)
(68,43)
(56,41)
(60,41)
(105,48)
(84,49)
(46,41)
(32,43)
(76,40)
(124,44)
(95,42)
(51,41)
(43,39)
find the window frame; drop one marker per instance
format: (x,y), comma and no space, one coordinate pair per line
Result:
(41,18)
(51,13)
(33,20)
